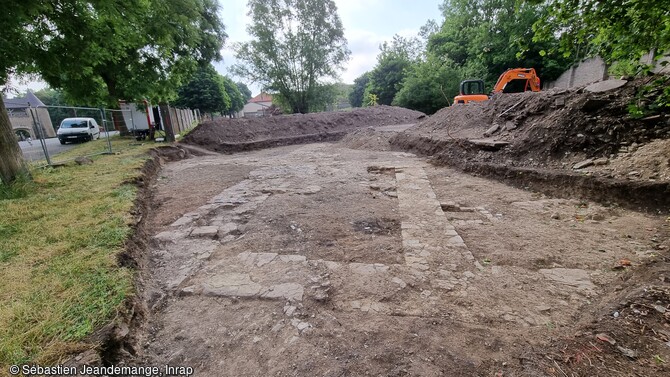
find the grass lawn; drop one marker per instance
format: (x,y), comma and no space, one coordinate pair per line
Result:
(59,238)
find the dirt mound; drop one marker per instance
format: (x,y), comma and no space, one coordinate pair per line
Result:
(647,162)
(368,139)
(231,135)
(556,128)
(576,135)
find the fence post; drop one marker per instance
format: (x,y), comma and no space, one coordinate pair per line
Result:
(38,126)
(104,121)
(167,122)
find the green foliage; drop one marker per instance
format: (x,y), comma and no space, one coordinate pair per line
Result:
(429,86)
(322,98)
(52,97)
(244,90)
(653,98)
(237,101)
(371,100)
(395,58)
(490,36)
(296,45)
(614,30)
(358,91)
(100,51)
(206,91)
(478,39)
(342,93)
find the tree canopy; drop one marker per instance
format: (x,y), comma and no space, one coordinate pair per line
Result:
(296,46)
(244,90)
(358,90)
(614,30)
(205,91)
(101,51)
(385,79)
(237,100)
(476,39)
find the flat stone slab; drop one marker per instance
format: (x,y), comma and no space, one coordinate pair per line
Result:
(226,229)
(231,284)
(185,220)
(367,268)
(604,86)
(288,291)
(488,143)
(571,277)
(205,231)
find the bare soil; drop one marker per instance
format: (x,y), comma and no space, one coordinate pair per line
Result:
(235,135)
(563,138)
(326,260)
(358,258)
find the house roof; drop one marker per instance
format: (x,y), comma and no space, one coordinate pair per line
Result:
(263,97)
(21,103)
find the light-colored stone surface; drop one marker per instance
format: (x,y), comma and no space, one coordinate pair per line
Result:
(205,231)
(575,278)
(605,86)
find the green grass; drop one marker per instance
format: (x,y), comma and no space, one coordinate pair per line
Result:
(60,234)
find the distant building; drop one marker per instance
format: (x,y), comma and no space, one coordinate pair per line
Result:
(22,120)
(258,106)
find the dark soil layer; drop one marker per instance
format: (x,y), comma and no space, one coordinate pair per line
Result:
(235,135)
(534,140)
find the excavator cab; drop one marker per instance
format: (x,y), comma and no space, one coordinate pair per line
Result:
(471,91)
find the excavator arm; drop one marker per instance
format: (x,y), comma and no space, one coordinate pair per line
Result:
(517,80)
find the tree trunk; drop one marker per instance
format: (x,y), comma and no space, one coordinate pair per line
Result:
(12,164)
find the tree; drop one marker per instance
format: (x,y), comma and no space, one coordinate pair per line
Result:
(53,97)
(237,100)
(430,85)
(244,90)
(206,91)
(358,91)
(392,62)
(100,51)
(296,45)
(139,49)
(486,37)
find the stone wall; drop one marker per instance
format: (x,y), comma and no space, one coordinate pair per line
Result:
(595,69)
(587,72)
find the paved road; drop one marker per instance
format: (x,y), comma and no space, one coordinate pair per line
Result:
(33,151)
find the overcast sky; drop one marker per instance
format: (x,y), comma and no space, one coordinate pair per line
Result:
(367,23)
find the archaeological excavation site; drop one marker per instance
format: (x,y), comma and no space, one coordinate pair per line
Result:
(522,236)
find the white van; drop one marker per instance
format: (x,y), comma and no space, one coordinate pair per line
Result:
(78,129)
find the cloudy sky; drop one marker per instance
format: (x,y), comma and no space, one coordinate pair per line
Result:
(367,23)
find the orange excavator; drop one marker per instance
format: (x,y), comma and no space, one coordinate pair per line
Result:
(514,80)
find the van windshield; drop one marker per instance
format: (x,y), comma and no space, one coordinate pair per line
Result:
(74,124)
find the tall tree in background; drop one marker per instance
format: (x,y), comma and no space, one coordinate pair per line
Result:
(205,91)
(486,37)
(296,45)
(244,90)
(358,91)
(429,85)
(101,51)
(392,64)
(237,100)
